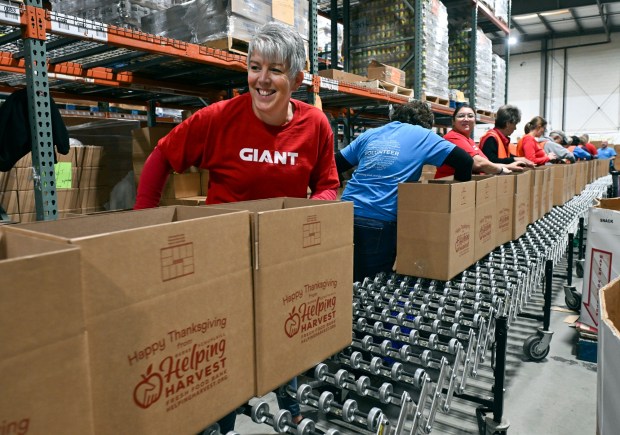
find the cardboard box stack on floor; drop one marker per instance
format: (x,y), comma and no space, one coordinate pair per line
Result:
(602,256)
(303,273)
(608,375)
(8,194)
(167,296)
(44,373)
(181,189)
(436,222)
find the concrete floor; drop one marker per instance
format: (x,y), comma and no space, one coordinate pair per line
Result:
(554,396)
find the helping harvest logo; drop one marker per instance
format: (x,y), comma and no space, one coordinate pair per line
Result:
(292,323)
(148,390)
(180,377)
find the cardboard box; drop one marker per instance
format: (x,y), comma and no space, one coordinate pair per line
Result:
(341,76)
(436,222)
(67,200)
(25,181)
(558,175)
(168,305)
(521,209)
(144,140)
(88,155)
(390,74)
(204,182)
(485,227)
(182,185)
(9,201)
(303,275)
(602,256)
(43,358)
(505,209)
(8,180)
(536,185)
(192,201)
(608,373)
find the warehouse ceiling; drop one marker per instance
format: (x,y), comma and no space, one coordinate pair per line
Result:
(534,20)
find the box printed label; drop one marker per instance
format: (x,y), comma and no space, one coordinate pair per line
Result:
(504,219)
(461,245)
(485,228)
(600,275)
(521,214)
(192,365)
(313,310)
(18,426)
(177,260)
(311,232)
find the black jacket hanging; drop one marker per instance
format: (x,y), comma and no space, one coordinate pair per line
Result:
(15,137)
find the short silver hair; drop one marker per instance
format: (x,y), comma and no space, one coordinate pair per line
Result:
(279,43)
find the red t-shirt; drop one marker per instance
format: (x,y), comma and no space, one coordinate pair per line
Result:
(532,151)
(248,159)
(591,149)
(460,141)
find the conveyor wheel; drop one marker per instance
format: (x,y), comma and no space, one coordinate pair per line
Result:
(573,302)
(533,348)
(579,268)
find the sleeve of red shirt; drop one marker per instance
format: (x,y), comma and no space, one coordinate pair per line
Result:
(324,176)
(325,195)
(152,180)
(529,149)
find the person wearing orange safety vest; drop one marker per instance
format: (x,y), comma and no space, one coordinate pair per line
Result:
(495,143)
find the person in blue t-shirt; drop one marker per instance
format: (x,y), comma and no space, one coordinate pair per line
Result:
(386,156)
(605,152)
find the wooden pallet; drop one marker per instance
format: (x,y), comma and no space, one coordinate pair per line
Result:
(386,86)
(229,43)
(437,100)
(485,113)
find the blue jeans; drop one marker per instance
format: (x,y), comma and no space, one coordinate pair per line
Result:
(285,401)
(375,247)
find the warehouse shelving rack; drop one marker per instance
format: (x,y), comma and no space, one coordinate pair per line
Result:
(61,56)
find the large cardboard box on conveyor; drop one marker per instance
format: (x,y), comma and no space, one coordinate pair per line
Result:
(168,308)
(485,228)
(303,276)
(44,375)
(521,209)
(505,209)
(608,370)
(436,222)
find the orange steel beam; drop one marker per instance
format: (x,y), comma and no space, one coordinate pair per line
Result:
(377,94)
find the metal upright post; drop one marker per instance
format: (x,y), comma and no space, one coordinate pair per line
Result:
(417,59)
(508,18)
(151,115)
(501,338)
(473,41)
(312,47)
(333,15)
(39,114)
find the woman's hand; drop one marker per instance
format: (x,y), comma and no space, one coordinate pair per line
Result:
(516,166)
(525,162)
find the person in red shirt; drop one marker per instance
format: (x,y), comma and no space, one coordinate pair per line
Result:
(463,121)
(585,141)
(528,146)
(261,144)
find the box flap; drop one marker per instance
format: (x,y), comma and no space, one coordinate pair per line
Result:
(610,306)
(437,196)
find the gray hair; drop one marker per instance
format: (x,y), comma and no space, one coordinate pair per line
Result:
(507,113)
(279,43)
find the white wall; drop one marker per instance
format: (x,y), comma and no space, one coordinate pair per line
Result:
(592,76)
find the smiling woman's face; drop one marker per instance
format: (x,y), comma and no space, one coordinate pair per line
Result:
(464,121)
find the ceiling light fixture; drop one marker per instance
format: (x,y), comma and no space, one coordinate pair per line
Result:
(512,40)
(524,17)
(558,12)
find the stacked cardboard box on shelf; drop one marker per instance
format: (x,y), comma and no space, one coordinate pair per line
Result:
(232,23)
(499,82)
(385,24)
(189,188)
(460,62)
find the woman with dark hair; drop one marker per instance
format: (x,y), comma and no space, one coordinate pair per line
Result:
(495,142)
(463,121)
(528,145)
(385,157)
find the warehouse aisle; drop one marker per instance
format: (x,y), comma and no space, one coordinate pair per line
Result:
(555,396)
